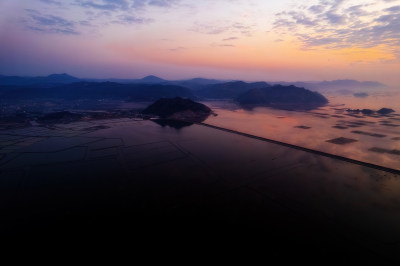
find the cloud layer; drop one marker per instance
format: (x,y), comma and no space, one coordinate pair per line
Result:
(49,23)
(97,13)
(123,4)
(336,24)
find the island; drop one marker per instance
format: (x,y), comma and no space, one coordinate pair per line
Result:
(383,111)
(178,109)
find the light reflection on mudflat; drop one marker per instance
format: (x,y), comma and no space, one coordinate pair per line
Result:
(374,139)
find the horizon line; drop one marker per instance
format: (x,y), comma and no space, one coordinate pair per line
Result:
(184,79)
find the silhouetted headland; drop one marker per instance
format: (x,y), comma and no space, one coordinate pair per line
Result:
(282,97)
(228,90)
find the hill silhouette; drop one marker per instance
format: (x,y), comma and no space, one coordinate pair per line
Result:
(98,90)
(283,97)
(178,109)
(228,90)
(48,81)
(152,79)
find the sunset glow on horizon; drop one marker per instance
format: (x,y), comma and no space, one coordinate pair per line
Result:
(227,39)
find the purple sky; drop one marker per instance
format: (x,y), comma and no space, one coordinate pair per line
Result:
(233,39)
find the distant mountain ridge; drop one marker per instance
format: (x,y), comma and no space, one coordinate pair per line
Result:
(150,88)
(98,90)
(48,81)
(62,78)
(194,83)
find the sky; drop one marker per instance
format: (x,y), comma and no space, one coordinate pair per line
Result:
(267,40)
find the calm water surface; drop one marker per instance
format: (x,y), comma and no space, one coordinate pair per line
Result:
(374,139)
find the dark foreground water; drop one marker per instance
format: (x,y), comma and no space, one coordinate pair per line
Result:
(123,179)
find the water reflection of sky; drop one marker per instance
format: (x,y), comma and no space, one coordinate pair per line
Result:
(326,123)
(375,99)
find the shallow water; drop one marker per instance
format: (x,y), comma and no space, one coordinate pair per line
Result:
(373,139)
(128,175)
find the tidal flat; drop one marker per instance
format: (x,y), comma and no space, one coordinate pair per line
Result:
(317,128)
(138,179)
(153,179)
